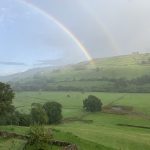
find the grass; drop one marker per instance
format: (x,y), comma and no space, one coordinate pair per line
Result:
(104,129)
(11,144)
(103,132)
(128,66)
(72,106)
(83,144)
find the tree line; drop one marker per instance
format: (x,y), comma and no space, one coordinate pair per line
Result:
(49,113)
(139,84)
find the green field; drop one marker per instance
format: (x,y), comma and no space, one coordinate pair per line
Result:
(104,129)
(72,106)
(13,144)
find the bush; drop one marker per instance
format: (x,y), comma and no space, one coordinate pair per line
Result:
(22,119)
(92,104)
(54,112)
(39,139)
(38,114)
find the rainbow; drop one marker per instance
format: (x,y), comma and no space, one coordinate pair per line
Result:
(60,25)
(114,45)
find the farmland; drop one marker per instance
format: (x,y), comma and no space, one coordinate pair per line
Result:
(73,103)
(103,129)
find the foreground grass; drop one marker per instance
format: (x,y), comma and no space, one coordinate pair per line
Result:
(104,131)
(13,144)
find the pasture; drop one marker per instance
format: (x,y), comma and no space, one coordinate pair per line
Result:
(103,129)
(72,101)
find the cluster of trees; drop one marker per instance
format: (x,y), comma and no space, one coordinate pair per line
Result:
(140,84)
(49,113)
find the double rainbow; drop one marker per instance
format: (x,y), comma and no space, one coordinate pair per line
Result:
(60,25)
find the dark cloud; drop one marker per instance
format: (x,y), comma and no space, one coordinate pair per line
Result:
(12,63)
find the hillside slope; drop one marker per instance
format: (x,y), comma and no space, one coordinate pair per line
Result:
(102,74)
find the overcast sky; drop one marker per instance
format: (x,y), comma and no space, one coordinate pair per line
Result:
(28,39)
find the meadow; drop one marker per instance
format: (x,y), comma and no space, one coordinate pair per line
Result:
(15,144)
(72,102)
(99,128)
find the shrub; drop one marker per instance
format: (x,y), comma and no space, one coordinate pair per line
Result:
(54,112)
(92,104)
(39,139)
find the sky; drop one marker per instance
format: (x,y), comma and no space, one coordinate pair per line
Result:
(30,39)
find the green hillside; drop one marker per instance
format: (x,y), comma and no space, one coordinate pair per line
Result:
(129,66)
(129,73)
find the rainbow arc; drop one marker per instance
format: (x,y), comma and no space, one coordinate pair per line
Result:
(61,26)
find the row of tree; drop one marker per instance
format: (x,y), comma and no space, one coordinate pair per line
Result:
(140,84)
(49,113)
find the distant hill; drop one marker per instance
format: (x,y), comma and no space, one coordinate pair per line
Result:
(102,74)
(27,74)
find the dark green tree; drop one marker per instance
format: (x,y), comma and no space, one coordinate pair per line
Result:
(92,104)
(38,114)
(22,119)
(54,112)
(6,107)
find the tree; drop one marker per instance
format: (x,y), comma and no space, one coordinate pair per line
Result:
(92,104)
(54,112)
(38,114)
(6,107)
(22,119)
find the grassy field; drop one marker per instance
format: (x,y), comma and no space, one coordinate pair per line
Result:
(103,129)
(72,105)
(83,144)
